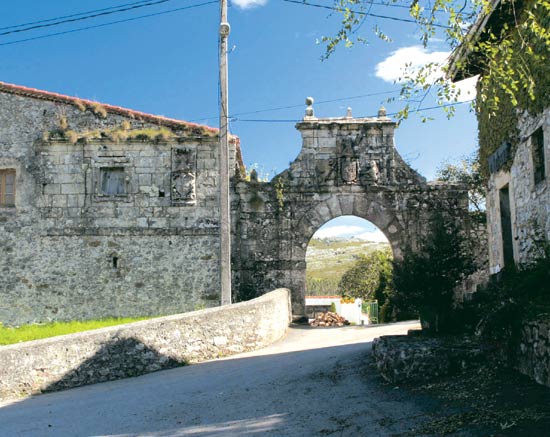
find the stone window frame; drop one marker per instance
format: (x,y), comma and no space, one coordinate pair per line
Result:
(108,162)
(537,148)
(500,180)
(4,172)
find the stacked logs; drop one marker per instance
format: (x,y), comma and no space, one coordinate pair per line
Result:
(329,319)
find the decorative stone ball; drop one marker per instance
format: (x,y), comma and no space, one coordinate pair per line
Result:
(309,101)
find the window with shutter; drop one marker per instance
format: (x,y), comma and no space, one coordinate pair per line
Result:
(7,187)
(113,181)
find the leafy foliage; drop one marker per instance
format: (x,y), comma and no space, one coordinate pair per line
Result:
(513,56)
(425,280)
(516,78)
(466,172)
(369,277)
(517,294)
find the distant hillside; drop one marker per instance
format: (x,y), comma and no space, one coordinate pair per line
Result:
(328,259)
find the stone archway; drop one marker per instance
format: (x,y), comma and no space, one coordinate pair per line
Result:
(346,166)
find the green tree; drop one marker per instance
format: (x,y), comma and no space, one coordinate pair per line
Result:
(466,172)
(369,276)
(425,280)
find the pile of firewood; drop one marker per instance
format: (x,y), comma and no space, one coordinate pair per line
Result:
(329,319)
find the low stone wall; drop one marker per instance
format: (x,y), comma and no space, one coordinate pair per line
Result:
(533,357)
(137,348)
(417,358)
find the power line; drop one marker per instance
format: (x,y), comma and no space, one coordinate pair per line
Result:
(370,14)
(70,16)
(264,120)
(109,23)
(86,17)
(279,108)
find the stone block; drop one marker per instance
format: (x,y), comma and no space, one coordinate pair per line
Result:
(72,189)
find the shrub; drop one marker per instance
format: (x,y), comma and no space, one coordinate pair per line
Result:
(425,279)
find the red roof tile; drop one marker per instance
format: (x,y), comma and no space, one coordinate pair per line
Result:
(55,97)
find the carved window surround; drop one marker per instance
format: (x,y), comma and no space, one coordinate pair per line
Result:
(103,164)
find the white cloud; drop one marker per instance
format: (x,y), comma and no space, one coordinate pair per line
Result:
(338,231)
(374,236)
(247,4)
(411,59)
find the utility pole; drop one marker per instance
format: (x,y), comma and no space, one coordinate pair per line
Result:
(225,213)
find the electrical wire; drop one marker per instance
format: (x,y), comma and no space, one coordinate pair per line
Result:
(109,23)
(383,17)
(279,108)
(87,17)
(369,116)
(47,20)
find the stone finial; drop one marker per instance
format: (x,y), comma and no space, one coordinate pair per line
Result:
(348,113)
(382,112)
(309,110)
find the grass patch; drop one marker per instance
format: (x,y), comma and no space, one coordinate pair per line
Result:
(38,331)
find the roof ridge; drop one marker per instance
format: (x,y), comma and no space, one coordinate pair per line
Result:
(62,98)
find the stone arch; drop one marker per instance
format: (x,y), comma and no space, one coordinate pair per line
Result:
(322,212)
(346,167)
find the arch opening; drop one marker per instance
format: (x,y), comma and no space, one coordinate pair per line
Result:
(348,270)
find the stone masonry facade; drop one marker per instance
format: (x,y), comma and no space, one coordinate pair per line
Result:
(528,196)
(115,214)
(110,212)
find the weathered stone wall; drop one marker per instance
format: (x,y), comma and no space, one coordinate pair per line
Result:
(71,251)
(74,249)
(142,347)
(533,355)
(346,167)
(530,201)
(417,358)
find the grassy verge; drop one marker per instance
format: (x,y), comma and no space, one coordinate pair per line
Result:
(35,332)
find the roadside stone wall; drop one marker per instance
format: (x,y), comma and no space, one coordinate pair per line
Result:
(533,356)
(142,347)
(347,166)
(116,212)
(529,201)
(417,358)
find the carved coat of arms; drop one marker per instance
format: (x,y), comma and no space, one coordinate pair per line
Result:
(183,179)
(349,162)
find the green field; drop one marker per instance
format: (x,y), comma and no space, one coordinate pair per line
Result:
(328,259)
(35,332)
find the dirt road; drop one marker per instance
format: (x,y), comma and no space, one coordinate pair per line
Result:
(313,382)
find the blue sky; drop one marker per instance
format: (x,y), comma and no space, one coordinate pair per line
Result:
(167,65)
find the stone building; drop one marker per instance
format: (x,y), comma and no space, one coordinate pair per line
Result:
(111,212)
(514,139)
(104,211)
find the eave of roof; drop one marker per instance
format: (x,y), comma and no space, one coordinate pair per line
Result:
(61,98)
(456,70)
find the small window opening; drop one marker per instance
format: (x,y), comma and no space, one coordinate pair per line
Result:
(537,149)
(161,193)
(7,187)
(506,226)
(115,262)
(113,181)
